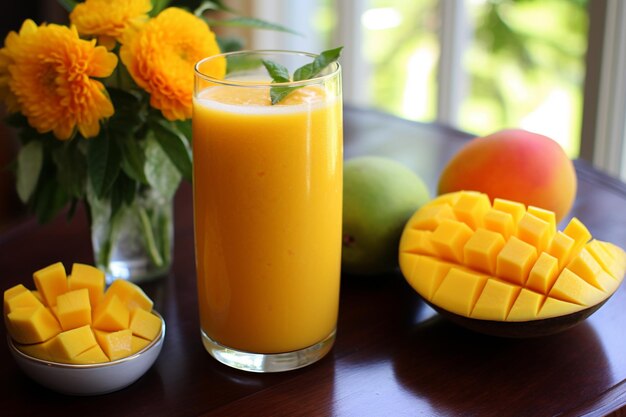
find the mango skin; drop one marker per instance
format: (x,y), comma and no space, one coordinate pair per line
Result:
(515,165)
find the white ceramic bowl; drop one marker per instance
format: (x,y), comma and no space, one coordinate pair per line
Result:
(90,379)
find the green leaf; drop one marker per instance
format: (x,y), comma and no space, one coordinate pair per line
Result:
(242,63)
(252,23)
(161,173)
(68,4)
(158,5)
(133,157)
(308,71)
(174,146)
(72,209)
(71,169)
(123,192)
(279,93)
(229,44)
(279,73)
(184,128)
(49,199)
(103,162)
(129,114)
(212,5)
(29,163)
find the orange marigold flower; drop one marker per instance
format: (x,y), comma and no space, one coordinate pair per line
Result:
(49,70)
(108,19)
(160,57)
(5,76)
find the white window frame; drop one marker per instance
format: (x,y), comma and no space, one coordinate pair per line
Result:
(603,139)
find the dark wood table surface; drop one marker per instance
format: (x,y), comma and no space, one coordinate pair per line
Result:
(393,355)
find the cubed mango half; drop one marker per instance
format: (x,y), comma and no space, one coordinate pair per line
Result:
(505,262)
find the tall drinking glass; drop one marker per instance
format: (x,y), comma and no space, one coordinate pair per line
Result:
(267,187)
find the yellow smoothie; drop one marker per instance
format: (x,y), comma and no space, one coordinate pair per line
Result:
(268,209)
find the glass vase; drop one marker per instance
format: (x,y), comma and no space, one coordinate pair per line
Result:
(135,244)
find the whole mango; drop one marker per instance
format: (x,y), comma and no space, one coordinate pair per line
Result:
(379,196)
(516,165)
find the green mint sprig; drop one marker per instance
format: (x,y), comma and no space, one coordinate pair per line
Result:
(280,74)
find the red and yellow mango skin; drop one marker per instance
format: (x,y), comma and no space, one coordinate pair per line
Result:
(515,165)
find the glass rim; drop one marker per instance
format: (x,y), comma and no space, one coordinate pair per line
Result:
(335,69)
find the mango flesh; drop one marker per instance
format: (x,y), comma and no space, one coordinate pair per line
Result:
(64,325)
(515,165)
(505,262)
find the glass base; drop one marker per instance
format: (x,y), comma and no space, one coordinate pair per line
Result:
(268,362)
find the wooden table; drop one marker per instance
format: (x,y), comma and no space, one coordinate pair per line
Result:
(393,355)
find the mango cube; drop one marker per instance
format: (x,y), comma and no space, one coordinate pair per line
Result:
(116,345)
(433,274)
(495,300)
(459,291)
(604,258)
(419,241)
(526,306)
(481,250)
(545,215)
(499,222)
(37,350)
(577,231)
(89,277)
(73,309)
(94,354)
(587,267)
(515,209)
(111,314)
(515,261)
(131,295)
(51,281)
(19,297)
(571,288)
(543,273)
(471,208)
(561,247)
(71,343)
(535,231)
(554,307)
(144,324)
(138,343)
(449,238)
(32,324)
(433,216)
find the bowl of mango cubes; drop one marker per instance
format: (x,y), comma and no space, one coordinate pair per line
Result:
(75,336)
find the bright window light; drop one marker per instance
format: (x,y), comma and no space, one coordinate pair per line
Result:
(381,18)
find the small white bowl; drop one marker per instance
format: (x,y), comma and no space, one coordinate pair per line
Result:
(90,379)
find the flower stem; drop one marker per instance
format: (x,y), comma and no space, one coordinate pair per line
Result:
(148,235)
(164,229)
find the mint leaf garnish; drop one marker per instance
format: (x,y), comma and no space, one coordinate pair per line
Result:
(308,71)
(280,74)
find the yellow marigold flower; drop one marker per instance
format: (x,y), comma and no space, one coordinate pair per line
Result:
(108,19)
(160,57)
(49,70)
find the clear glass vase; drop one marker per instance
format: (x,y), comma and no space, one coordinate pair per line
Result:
(137,243)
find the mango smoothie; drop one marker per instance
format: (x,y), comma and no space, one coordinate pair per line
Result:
(267,211)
